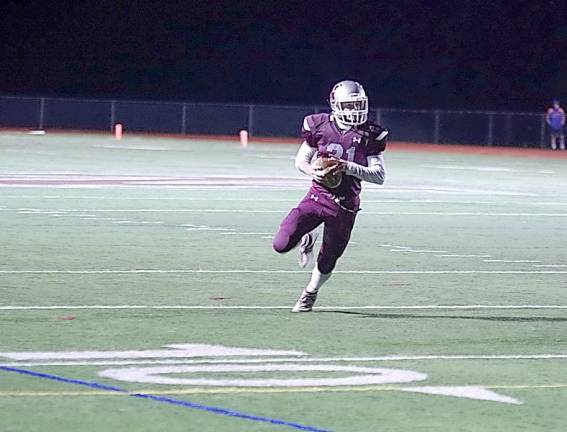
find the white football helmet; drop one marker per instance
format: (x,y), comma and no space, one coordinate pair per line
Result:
(349,103)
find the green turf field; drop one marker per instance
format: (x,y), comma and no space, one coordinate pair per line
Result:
(139,292)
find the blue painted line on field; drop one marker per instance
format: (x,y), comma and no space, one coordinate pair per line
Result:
(166,400)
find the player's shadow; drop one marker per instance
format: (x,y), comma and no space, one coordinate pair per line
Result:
(445,316)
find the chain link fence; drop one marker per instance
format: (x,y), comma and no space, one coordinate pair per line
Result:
(443,127)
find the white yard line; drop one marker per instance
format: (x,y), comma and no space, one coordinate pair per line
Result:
(251,271)
(237,307)
(419,251)
(180,198)
(157,210)
(152,148)
(229,210)
(134,222)
(271,199)
(253,233)
(510,261)
(474,168)
(267,187)
(463,256)
(207,228)
(389,358)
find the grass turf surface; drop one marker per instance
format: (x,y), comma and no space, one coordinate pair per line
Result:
(152,222)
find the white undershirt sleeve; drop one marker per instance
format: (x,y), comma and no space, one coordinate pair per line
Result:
(303,158)
(375,172)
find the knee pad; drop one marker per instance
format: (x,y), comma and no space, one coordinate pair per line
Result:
(281,244)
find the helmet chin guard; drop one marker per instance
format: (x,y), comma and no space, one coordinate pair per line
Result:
(349,103)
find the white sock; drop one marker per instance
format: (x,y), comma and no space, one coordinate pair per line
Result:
(317,280)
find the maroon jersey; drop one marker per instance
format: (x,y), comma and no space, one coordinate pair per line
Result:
(354,145)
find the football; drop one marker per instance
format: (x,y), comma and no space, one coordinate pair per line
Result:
(333,178)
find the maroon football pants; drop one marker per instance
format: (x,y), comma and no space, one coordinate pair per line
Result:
(311,212)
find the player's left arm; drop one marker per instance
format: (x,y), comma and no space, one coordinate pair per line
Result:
(375,171)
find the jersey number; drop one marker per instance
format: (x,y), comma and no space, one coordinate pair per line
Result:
(337,151)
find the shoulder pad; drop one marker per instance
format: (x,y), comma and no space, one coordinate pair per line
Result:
(314,121)
(376,132)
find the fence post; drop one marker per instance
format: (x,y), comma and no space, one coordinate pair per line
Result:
(508,132)
(112,114)
(250,120)
(184,118)
(490,138)
(378,116)
(542,133)
(436,128)
(41,113)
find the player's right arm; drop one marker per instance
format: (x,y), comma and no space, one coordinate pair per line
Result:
(307,151)
(303,159)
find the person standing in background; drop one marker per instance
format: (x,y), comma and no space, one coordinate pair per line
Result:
(555,119)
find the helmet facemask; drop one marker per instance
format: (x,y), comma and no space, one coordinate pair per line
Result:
(349,103)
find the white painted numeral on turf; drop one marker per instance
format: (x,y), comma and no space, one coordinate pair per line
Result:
(351,375)
(364,375)
(173,351)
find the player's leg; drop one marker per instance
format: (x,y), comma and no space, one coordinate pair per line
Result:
(553,141)
(300,221)
(335,240)
(561,141)
(309,294)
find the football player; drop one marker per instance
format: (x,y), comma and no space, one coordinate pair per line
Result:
(356,145)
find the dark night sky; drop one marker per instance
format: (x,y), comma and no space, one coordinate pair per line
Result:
(415,54)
